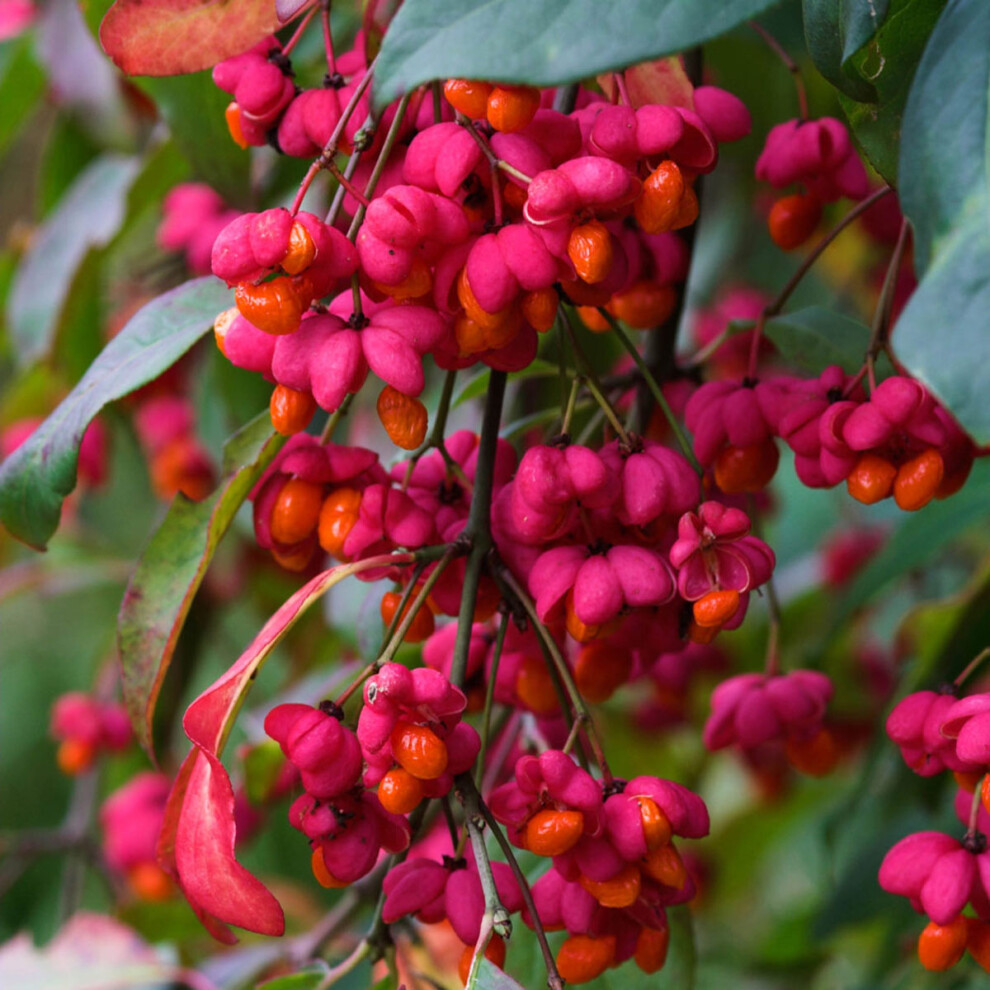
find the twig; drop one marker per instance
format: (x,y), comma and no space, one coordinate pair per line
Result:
(330,148)
(478,529)
(486,714)
(578,705)
(553,977)
(654,386)
(792,67)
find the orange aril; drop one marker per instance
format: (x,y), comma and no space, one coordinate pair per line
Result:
(534,687)
(793,220)
(746,469)
(301,250)
(659,201)
(940,947)
(469,96)
(552,833)
(323,876)
(422,625)
(290,410)
(590,249)
(296,512)
(816,756)
(75,756)
(583,958)
(150,882)
(651,949)
(657,829)
(274,307)
(539,308)
(511,108)
(664,864)
(399,791)
(600,669)
(404,418)
(232,115)
(871,479)
(918,480)
(419,750)
(338,514)
(644,305)
(619,891)
(715,609)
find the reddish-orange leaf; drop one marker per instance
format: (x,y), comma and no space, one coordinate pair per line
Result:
(170,37)
(661,81)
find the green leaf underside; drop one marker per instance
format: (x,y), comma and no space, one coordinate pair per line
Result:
(88,217)
(943,335)
(172,567)
(545,44)
(815,338)
(36,478)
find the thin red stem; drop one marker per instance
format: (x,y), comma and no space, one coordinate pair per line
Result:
(330,148)
(792,67)
(298,33)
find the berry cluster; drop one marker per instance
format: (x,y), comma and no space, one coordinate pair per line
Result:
(815,154)
(469,222)
(937,731)
(86,727)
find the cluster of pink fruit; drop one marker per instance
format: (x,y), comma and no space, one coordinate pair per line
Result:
(480,220)
(937,731)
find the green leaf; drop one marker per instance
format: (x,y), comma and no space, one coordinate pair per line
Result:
(88,217)
(22,81)
(888,64)
(38,475)
(193,108)
(305,979)
(478,385)
(262,766)
(942,335)
(815,338)
(172,567)
(544,44)
(920,536)
(834,31)
(490,977)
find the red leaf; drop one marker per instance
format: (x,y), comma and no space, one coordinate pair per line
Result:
(210,876)
(198,835)
(170,37)
(660,81)
(209,718)
(167,841)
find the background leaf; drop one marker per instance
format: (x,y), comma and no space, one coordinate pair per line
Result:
(888,63)
(21,84)
(89,216)
(835,30)
(945,192)
(920,536)
(193,108)
(172,567)
(545,43)
(815,338)
(167,37)
(38,475)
